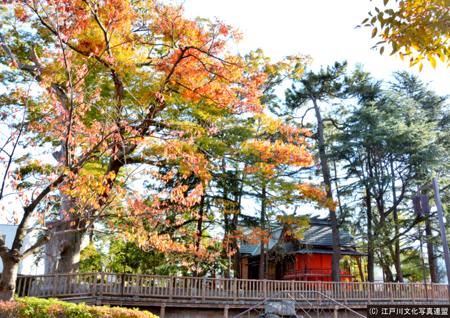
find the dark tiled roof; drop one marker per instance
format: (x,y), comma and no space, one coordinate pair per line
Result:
(249,249)
(318,234)
(326,251)
(256,249)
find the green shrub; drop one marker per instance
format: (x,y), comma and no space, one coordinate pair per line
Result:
(30,307)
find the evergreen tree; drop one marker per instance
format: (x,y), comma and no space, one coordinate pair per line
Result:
(318,88)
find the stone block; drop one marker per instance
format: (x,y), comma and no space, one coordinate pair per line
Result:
(271,307)
(280,308)
(286,308)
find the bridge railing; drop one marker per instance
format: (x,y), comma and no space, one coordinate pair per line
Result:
(204,288)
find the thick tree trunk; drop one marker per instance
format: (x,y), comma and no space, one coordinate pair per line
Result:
(9,276)
(335,259)
(51,258)
(62,255)
(70,255)
(388,277)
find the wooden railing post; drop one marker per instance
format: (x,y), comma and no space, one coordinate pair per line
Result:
(171,287)
(413,295)
(203,288)
(345,293)
(368,291)
(320,291)
(94,287)
(225,311)
(18,285)
(391,292)
(264,289)
(235,290)
(102,282)
(55,285)
(432,292)
(137,286)
(162,311)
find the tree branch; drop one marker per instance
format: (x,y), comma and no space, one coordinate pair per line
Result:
(22,66)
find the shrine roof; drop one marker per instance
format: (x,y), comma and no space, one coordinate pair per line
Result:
(317,236)
(326,251)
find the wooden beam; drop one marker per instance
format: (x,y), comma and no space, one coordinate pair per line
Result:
(162,311)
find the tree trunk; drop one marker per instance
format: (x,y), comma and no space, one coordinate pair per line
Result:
(430,248)
(361,272)
(236,260)
(225,242)
(263,221)
(62,255)
(370,253)
(336,184)
(388,277)
(199,233)
(238,198)
(266,258)
(9,276)
(397,263)
(421,255)
(335,259)
(393,252)
(70,255)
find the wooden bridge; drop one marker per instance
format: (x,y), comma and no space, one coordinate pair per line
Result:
(203,292)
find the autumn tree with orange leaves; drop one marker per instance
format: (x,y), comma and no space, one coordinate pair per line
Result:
(101,86)
(417,30)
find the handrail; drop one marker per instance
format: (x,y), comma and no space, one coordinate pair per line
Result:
(297,292)
(313,272)
(214,278)
(224,289)
(316,271)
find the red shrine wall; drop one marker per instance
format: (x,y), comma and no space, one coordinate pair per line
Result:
(314,261)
